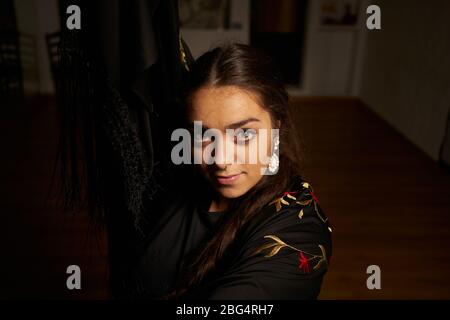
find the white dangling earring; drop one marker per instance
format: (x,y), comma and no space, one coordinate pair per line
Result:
(274,161)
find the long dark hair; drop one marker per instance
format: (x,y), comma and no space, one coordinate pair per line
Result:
(244,67)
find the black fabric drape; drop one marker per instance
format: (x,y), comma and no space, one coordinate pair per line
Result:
(120,80)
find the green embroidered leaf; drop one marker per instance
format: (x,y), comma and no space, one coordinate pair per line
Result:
(323,259)
(278,203)
(291,197)
(275,250)
(275,238)
(304,202)
(318,213)
(276,246)
(266,246)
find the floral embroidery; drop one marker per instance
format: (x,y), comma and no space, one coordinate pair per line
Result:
(307,199)
(314,197)
(311,202)
(278,203)
(304,264)
(304,257)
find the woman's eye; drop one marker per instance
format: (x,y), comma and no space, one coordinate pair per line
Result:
(245,135)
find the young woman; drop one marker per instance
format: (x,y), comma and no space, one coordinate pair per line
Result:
(235,229)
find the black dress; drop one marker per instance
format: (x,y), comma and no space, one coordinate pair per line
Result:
(283,253)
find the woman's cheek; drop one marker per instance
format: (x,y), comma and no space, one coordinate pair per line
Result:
(241,154)
(252,152)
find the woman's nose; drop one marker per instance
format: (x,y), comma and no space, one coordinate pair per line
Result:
(223,153)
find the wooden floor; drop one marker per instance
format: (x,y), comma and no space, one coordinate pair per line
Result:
(389,205)
(38,242)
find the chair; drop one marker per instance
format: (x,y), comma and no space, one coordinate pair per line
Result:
(11,77)
(53,40)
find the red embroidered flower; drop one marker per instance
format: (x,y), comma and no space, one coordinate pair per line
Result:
(314,197)
(304,264)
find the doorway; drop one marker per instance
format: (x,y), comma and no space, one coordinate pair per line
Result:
(278,28)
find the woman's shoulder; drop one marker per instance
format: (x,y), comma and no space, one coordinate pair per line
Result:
(283,253)
(296,205)
(293,222)
(299,203)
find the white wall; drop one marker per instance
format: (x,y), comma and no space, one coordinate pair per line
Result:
(404,74)
(328,63)
(202,40)
(328,55)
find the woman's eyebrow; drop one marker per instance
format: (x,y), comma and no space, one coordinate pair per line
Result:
(241,123)
(233,125)
(191,126)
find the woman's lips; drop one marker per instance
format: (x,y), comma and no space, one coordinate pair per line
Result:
(228,180)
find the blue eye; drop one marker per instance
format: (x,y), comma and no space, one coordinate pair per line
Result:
(244,135)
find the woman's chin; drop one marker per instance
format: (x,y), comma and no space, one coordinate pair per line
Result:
(230,192)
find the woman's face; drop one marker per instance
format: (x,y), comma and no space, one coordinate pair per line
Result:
(235,164)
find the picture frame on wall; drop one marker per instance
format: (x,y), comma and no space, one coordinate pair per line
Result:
(335,15)
(204,14)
